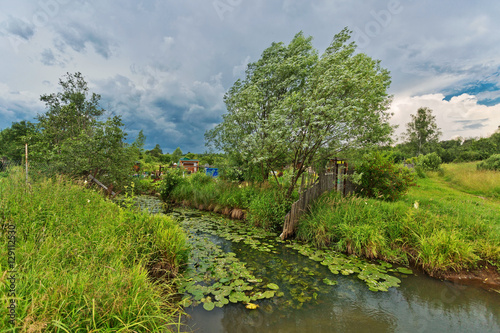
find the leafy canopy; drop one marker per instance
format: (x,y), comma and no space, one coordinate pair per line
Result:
(422,132)
(73,138)
(295,108)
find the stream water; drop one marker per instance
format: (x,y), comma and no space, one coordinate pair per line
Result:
(308,302)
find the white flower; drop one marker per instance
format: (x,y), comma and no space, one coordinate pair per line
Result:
(415,205)
(85,182)
(88,200)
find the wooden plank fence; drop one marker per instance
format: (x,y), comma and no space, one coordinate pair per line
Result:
(334,178)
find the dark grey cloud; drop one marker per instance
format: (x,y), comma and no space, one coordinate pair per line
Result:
(473,124)
(78,36)
(164,65)
(18,27)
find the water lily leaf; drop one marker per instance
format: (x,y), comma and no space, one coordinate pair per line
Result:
(273,286)
(209,306)
(329,282)
(268,294)
(404,270)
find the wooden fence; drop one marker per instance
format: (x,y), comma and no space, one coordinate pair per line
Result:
(334,178)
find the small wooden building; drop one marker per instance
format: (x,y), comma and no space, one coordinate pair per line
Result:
(190,165)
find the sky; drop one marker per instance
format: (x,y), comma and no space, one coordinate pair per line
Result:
(165,65)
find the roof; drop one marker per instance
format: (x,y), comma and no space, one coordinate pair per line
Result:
(187,159)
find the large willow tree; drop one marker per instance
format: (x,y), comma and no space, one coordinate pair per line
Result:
(295,107)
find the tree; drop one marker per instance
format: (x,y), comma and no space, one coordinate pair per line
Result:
(156,152)
(422,132)
(73,139)
(12,140)
(295,108)
(176,155)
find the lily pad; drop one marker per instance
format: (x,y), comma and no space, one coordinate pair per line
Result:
(329,282)
(273,286)
(404,270)
(209,306)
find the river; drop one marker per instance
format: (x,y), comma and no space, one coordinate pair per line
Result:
(313,299)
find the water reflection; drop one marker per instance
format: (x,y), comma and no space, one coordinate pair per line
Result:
(420,304)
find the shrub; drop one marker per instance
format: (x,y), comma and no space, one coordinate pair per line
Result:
(429,162)
(492,163)
(139,186)
(171,179)
(380,178)
(468,156)
(200,178)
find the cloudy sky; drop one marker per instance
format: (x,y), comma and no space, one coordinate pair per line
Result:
(165,65)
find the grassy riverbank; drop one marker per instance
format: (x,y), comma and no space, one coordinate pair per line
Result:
(437,225)
(83,264)
(262,205)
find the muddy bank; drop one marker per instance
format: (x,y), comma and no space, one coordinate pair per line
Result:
(487,278)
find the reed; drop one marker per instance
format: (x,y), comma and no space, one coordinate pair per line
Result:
(83,263)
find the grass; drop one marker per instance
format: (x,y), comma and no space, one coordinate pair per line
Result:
(263,204)
(437,226)
(466,177)
(83,263)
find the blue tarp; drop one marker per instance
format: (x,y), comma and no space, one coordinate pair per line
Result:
(214,172)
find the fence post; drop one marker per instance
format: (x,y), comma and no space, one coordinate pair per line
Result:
(26,151)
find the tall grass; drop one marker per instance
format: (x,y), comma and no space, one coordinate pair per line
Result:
(83,263)
(263,204)
(435,226)
(466,177)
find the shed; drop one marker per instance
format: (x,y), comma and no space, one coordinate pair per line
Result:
(190,165)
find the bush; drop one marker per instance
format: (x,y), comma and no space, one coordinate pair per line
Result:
(468,156)
(429,162)
(139,186)
(380,178)
(492,163)
(200,178)
(171,179)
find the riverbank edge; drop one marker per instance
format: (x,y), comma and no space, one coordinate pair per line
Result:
(488,277)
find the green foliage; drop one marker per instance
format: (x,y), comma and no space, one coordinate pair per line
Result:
(467,156)
(268,209)
(139,185)
(82,261)
(492,163)
(13,139)
(171,179)
(422,133)
(424,163)
(176,155)
(382,179)
(200,178)
(435,226)
(294,107)
(73,139)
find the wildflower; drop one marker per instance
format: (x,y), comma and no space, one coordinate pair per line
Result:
(88,200)
(415,205)
(85,182)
